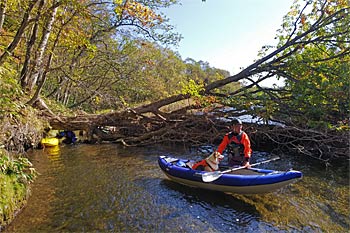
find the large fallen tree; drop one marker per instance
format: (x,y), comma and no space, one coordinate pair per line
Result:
(148,125)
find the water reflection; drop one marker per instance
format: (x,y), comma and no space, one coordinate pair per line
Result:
(111,188)
(52,151)
(215,208)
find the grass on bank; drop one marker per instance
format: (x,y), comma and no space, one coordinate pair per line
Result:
(15,176)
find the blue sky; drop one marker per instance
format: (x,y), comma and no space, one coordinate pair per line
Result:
(227,33)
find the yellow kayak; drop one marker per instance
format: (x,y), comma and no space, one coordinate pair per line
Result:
(50,141)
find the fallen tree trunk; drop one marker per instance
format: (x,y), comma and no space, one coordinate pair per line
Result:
(133,127)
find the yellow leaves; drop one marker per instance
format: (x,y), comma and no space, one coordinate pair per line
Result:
(329,10)
(293,12)
(334,5)
(75,37)
(150,62)
(118,2)
(343,3)
(324,81)
(340,3)
(145,15)
(97,99)
(323,77)
(122,100)
(119,9)
(192,88)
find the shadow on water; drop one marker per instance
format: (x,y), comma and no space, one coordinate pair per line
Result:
(220,211)
(223,211)
(206,198)
(191,209)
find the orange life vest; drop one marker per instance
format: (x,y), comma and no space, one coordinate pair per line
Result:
(201,164)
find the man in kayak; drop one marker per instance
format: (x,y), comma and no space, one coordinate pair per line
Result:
(70,137)
(237,143)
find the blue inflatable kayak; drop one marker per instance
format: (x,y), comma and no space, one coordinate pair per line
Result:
(241,181)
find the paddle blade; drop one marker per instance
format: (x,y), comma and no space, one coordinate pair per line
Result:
(211,176)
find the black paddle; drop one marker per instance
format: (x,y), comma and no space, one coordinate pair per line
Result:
(211,176)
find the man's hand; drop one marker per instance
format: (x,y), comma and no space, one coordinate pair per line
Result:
(246,164)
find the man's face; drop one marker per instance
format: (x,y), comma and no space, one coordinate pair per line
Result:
(236,128)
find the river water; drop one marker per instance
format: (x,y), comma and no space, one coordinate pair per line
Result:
(108,188)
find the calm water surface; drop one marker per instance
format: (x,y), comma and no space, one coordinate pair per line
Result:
(108,188)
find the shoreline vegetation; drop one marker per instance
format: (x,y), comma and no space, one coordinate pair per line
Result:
(16,174)
(21,129)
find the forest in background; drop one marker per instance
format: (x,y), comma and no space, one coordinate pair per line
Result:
(97,65)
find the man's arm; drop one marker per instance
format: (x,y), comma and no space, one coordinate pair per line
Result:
(223,144)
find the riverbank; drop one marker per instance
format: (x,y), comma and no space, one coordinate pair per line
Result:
(21,129)
(15,176)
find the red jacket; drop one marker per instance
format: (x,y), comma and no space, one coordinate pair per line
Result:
(244,141)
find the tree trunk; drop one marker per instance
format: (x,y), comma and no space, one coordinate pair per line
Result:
(2,13)
(39,69)
(20,31)
(25,73)
(43,79)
